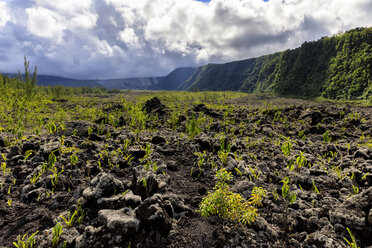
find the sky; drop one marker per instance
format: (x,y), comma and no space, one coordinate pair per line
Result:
(100,39)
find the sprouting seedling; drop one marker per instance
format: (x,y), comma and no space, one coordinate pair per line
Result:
(70,218)
(9,202)
(255,172)
(301,160)
(352,243)
(55,176)
(81,213)
(201,158)
(28,154)
(315,189)
(74,159)
(126,144)
(51,127)
(57,232)
(22,242)
(150,164)
(288,198)
(291,165)
(223,153)
(257,195)
(90,130)
(355,189)
(35,178)
(239,172)
(286,192)
(302,135)
(365,176)
(128,158)
(326,137)
(52,159)
(147,150)
(200,161)
(4,168)
(286,147)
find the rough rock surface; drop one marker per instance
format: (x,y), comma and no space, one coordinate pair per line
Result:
(133,188)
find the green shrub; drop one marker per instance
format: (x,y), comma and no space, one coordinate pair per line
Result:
(226,204)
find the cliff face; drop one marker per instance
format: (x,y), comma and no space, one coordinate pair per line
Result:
(337,67)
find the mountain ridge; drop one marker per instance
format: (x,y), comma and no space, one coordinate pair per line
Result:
(336,67)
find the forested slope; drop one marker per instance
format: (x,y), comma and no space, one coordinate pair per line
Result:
(337,67)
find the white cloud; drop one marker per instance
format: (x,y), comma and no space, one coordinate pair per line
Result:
(69,7)
(45,23)
(85,20)
(129,37)
(115,38)
(4,14)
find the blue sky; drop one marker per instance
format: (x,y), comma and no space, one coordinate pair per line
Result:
(114,38)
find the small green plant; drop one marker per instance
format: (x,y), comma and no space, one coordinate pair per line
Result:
(302,134)
(192,127)
(35,178)
(74,159)
(254,171)
(326,137)
(4,168)
(56,235)
(22,242)
(224,151)
(52,159)
(257,195)
(275,195)
(226,204)
(51,127)
(80,213)
(70,218)
(315,189)
(55,176)
(199,163)
(365,176)
(90,130)
(288,198)
(28,154)
(286,147)
(352,243)
(355,189)
(301,160)
(338,170)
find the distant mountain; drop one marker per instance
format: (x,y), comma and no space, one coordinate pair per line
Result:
(337,67)
(168,82)
(231,74)
(49,80)
(46,80)
(144,83)
(174,79)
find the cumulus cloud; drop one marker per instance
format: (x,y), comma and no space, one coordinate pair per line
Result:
(4,15)
(115,38)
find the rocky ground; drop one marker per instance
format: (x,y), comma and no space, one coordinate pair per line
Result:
(126,195)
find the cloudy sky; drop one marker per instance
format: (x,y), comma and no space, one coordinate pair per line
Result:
(127,38)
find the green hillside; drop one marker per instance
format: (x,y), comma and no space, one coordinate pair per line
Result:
(337,67)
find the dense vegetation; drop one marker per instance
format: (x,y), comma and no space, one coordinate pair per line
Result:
(337,67)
